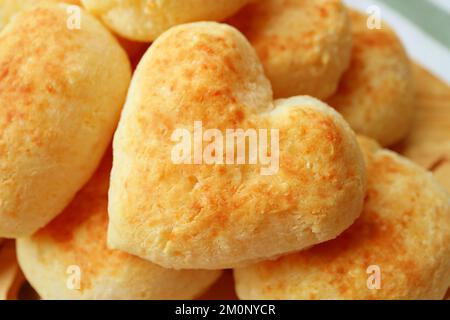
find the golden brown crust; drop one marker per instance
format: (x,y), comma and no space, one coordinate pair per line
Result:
(218,216)
(404,230)
(376,94)
(77,237)
(304,45)
(145,20)
(9,8)
(61,92)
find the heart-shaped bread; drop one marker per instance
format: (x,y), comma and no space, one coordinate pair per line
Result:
(74,245)
(61,92)
(398,248)
(212,216)
(376,93)
(304,45)
(145,20)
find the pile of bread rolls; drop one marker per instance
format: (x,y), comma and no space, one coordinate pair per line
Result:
(95,221)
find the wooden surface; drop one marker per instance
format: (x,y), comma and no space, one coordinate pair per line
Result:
(429,141)
(428,144)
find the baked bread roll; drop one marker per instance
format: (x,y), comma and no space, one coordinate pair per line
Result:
(145,20)
(9,8)
(61,93)
(376,94)
(74,244)
(304,45)
(216,216)
(401,237)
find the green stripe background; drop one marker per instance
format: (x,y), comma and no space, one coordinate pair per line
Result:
(430,18)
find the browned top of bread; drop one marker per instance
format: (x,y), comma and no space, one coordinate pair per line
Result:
(61,93)
(404,230)
(9,8)
(216,216)
(304,45)
(77,237)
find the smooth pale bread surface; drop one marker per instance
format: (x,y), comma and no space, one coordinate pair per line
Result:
(145,20)
(219,216)
(78,238)
(404,230)
(61,93)
(304,45)
(376,94)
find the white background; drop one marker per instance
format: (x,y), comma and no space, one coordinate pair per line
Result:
(421,47)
